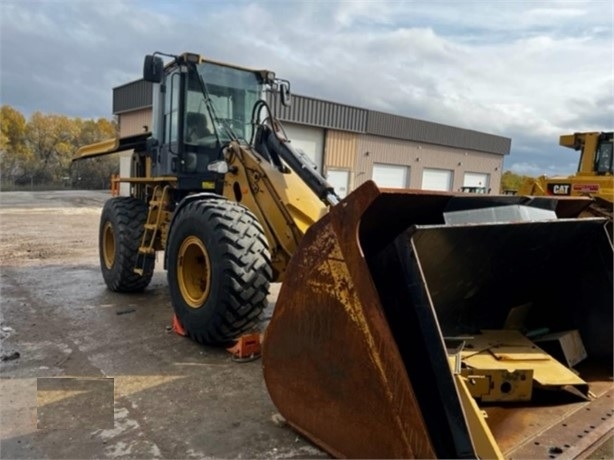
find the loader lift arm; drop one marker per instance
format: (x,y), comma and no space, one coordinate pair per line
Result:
(272,139)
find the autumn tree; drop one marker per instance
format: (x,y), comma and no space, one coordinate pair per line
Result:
(52,140)
(95,173)
(39,151)
(91,131)
(15,156)
(512,181)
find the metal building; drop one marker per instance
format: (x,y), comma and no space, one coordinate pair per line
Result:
(351,145)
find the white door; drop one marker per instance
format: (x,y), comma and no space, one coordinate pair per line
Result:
(390,176)
(308,139)
(340,180)
(437,179)
(125,162)
(476,180)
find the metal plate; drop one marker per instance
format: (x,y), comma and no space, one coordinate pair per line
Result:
(575,435)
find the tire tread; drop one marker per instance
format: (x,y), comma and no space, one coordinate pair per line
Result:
(130,215)
(246,269)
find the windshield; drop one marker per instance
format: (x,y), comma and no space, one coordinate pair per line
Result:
(232,95)
(603,158)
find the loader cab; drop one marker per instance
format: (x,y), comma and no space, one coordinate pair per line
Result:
(199,107)
(604,154)
(596,152)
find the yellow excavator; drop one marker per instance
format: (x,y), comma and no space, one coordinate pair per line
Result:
(594,177)
(402,323)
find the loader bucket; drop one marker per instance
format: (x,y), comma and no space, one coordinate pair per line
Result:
(354,356)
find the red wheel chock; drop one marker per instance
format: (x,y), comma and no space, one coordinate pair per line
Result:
(178,327)
(246,349)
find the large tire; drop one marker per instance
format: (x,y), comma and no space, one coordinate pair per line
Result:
(219,270)
(121,229)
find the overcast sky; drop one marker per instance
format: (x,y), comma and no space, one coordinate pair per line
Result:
(527,70)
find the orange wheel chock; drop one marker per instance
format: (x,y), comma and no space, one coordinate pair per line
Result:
(114,184)
(178,327)
(247,348)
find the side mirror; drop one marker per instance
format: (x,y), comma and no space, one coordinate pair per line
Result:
(284,90)
(153,68)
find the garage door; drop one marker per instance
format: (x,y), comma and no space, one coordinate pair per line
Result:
(309,139)
(437,179)
(340,180)
(476,180)
(390,176)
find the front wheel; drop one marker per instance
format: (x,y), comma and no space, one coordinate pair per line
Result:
(219,270)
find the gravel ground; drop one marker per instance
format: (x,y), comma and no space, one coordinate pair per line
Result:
(87,373)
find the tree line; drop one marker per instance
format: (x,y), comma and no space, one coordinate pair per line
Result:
(511,181)
(37,152)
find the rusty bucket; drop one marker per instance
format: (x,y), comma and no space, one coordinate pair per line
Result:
(354,356)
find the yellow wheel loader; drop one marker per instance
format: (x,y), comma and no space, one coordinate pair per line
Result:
(594,177)
(216,185)
(402,325)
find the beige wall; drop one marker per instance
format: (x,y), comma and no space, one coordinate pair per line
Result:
(418,156)
(132,122)
(340,149)
(340,156)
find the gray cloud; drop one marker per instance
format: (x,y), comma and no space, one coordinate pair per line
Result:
(526,71)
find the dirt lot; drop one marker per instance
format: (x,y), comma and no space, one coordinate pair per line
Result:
(87,373)
(172,398)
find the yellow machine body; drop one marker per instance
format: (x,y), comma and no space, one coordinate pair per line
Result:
(594,176)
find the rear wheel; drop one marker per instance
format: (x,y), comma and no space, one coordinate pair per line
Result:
(121,229)
(219,270)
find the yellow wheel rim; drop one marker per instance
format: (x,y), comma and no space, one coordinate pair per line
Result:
(193,272)
(108,245)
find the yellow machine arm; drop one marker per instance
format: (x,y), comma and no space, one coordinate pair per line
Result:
(284,205)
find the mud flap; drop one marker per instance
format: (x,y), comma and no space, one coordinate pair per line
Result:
(354,356)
